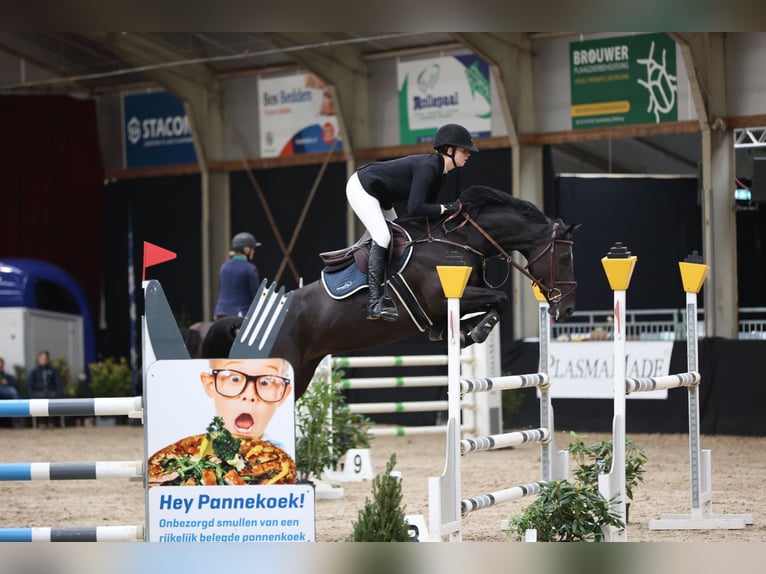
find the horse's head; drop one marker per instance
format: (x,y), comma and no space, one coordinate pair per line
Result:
(509,223)
(552,269)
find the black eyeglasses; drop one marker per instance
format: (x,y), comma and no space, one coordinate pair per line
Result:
(269,388)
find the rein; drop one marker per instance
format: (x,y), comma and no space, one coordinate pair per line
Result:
(553,294)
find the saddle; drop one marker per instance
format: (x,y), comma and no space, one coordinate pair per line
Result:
(359,252)
(345,272)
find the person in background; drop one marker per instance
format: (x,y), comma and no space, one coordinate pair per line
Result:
(418,179)
(44,381)
(8,388)
(239,278)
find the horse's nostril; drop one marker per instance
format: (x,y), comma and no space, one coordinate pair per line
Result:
(569,311)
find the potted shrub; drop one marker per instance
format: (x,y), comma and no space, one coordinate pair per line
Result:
(383,518)
(565,512)
(597,459)
(326,428)
(576,511)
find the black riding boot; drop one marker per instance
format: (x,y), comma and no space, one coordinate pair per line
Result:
(381,306)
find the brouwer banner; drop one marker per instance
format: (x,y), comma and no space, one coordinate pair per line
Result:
(623,80)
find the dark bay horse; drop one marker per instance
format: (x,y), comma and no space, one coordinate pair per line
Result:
(491,224)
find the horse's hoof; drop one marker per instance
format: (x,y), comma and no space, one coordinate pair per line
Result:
(435,336)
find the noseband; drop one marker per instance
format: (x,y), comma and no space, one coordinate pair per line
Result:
(553,293)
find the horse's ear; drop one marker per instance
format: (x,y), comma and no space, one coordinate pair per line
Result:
(572,228)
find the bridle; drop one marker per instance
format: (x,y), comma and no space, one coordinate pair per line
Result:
(553,293)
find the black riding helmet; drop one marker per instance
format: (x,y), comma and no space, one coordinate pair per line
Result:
(242,240)
(454,135)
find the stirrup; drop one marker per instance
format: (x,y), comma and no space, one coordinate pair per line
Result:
(384,308)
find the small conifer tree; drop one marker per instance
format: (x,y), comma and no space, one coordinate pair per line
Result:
(383,518)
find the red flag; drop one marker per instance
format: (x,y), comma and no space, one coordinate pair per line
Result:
(154,255)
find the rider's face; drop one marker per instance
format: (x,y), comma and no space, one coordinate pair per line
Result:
(461,156)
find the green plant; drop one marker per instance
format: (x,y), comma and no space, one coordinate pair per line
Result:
(597,459)
(110,378)
(566,512)
(382,519)
(569,511)
(326,427)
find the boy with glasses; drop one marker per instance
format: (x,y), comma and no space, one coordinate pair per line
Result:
(245,397)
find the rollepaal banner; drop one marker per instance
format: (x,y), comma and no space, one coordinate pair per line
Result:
(623,80)
(157,131)
(297,116)
(437,91)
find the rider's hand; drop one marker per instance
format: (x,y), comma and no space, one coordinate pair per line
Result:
(451,207)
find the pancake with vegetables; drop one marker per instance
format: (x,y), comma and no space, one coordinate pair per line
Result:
(217,458)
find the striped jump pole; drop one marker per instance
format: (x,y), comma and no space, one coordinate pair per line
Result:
(390,361)
(20,471)
(47,471)
(74,534)
(475,414)
(486,500)
(100,406)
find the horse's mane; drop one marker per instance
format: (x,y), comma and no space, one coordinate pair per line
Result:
(477,196)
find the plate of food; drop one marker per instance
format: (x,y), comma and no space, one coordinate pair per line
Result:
(218,457)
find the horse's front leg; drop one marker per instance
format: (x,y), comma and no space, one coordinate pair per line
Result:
(488,303)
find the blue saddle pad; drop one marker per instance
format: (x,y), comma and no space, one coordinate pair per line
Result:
(343,283)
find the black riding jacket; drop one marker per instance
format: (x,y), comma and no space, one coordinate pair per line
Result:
(417,178)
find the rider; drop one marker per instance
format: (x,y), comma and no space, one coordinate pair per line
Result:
(239,279)
(418,178)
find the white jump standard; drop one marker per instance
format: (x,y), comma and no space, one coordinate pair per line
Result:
(446,508)
(618,265)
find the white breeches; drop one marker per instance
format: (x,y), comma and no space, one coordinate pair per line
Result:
(369,211)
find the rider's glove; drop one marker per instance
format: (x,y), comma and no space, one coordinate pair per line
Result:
(451,207)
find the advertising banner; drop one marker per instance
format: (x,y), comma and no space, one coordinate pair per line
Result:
(157,131)
(586,370)
(220,443)
(624,80)
(297,116)
(437,91)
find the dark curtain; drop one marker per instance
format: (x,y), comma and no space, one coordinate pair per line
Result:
(751,253)
(659,220)
(52,186)
(167,212)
